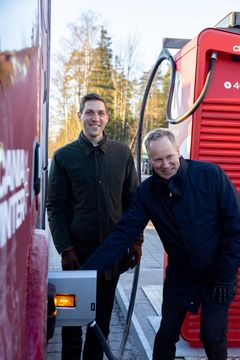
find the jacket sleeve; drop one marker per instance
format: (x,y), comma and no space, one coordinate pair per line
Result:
(57,205)
(228,259)
(130,182)
(129,227)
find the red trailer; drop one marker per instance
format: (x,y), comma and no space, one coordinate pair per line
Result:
(28,303)
(24,88)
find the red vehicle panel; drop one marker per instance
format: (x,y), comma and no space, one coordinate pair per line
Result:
(23,248)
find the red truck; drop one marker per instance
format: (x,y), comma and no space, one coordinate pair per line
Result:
(31,298)
(24,96)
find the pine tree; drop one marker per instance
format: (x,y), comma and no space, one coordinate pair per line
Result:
(87,66)
(100,77)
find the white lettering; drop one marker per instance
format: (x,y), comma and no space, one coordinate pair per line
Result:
(13,170)
(13,213)
(14,191)
(236,48)
(236,85)
(5,223)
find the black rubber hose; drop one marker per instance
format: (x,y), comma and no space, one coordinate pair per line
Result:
(130,311)
(102,341)
(164,55)
(199,99)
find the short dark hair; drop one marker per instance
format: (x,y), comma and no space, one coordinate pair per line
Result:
(157,134)
(89,97)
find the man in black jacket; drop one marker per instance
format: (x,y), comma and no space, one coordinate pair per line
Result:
(91,183)
(196,211)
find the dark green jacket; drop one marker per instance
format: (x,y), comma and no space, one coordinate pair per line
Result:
(89,189)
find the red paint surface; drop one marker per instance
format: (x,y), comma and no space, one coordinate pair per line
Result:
(23,255)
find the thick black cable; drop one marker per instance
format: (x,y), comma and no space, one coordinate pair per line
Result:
(198,100)
(164,55)
(102,341)
(130,311)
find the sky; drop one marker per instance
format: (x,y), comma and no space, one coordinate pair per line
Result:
(149,21)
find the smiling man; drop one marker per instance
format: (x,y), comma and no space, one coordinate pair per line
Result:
(94,117)
(164,155)
(91,183)
(196,212)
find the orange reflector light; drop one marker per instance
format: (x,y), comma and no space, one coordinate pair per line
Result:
(65,300)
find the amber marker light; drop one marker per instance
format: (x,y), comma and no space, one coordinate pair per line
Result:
(65,300)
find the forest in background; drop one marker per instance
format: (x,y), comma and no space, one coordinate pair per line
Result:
(86,63)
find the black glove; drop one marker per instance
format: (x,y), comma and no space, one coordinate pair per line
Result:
(224,292)
(135,252)
(69,259)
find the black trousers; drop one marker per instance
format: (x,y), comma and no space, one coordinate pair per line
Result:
(213,328)
(72,335)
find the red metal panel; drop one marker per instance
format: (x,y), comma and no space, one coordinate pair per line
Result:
(191,326)
(219,137)
(35,339)
(215,136)
(21,101)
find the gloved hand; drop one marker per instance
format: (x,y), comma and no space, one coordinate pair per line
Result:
(69,259)
(224,292)
(135,252)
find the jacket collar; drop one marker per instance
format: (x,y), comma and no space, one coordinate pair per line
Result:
(176,183)
(87,147)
